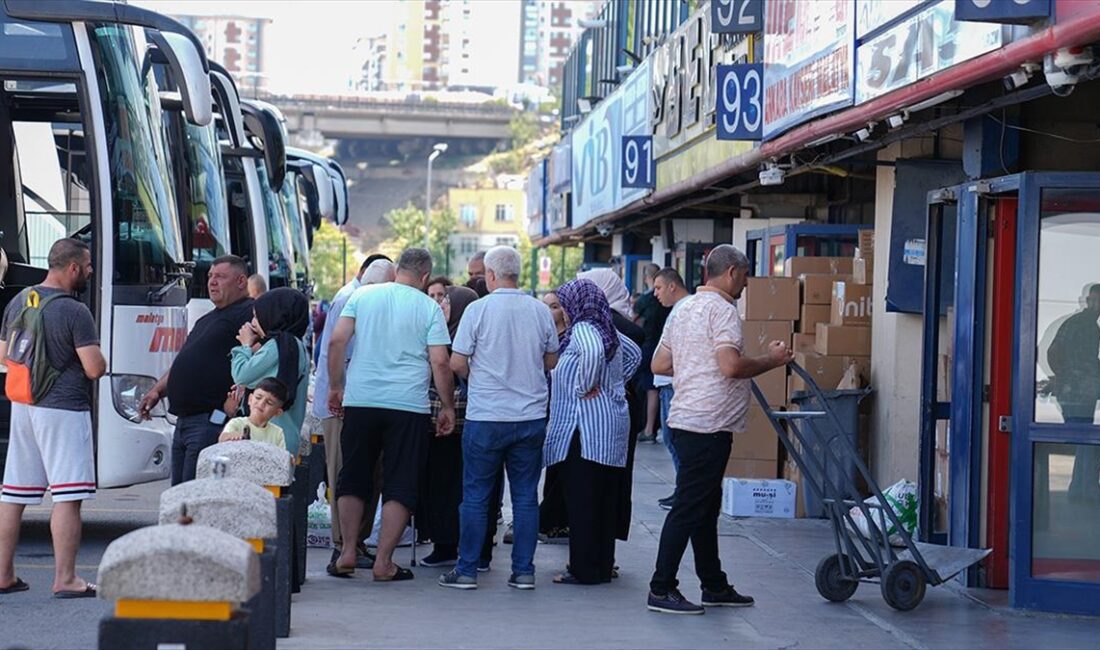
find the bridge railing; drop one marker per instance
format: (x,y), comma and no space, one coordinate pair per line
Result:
(417,105)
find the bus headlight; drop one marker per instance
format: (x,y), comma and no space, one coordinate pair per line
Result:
(127,392)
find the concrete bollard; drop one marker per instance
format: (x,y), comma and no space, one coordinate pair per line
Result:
(246,511)
(179,585)
(273,468)
(301,495)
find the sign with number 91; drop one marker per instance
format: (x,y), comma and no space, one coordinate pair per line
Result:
(740,101)
(638,161)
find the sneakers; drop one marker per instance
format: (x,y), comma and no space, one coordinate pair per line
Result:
(436,558)
(666,503)
(650,437)
(483,565)
(672,603)
(727,598)
(509,535)
(455,580)
(525,581)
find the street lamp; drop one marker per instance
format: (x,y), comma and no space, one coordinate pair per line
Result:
(437,151)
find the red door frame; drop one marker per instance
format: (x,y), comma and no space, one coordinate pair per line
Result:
(1000,389)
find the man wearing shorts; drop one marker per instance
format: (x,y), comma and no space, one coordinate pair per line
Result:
(51,442)
(401,344)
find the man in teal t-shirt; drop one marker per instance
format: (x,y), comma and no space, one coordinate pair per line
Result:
(401,344)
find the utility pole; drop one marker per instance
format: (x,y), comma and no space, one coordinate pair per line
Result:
(437,151)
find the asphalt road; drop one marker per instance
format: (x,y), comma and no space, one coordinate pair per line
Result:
(33,619)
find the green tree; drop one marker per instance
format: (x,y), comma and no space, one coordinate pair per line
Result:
(407,224)
(330,257)
(565,261)
(524,128)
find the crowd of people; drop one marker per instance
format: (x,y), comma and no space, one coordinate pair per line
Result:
(428,395)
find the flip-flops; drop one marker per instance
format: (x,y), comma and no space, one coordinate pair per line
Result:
(339,571)
(88,592)
(15,587)
(566,578)
(400,575)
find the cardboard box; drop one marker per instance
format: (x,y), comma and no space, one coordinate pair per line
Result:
(773,384)
(758,441)
(851,304)
(843,340)
(803,343)
(751,468)
(865,241)
(826,371)
(796,266)
(791,473)
(817,288)
(758,334)
(758,498)
(863,271)
(811,315)
(772,299)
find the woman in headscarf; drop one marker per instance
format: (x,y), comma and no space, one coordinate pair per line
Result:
(618,298)
(553,522)
(589,428)
(442,487)
(272,346)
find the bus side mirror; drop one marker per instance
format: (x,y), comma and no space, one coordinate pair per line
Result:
(187,67)
(326,199)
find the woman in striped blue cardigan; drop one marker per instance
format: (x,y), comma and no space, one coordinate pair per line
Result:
(589,428)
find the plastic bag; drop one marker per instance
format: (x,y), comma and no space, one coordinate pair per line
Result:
(406,537)
(902,497)
(319,521)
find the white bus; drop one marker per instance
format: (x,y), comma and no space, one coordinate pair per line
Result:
(82,137)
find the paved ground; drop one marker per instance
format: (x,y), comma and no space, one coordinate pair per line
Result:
(772,560)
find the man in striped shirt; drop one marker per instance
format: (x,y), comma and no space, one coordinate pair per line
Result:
(701,350)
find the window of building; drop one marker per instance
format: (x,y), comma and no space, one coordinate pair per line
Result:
(505,241)
(468,214)
(505,212)
(467,246)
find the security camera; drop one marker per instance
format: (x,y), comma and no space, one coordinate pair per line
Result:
(1063,69)
(772,174)
(1021,76)
(895,121)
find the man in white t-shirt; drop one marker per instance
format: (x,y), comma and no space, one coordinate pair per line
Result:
(669,289)
(701,348)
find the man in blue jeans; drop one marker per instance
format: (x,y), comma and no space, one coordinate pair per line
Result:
(505,344)
(669,289)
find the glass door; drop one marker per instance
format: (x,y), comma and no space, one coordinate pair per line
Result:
(1056,444)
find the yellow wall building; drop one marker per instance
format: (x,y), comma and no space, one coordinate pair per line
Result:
(486,218)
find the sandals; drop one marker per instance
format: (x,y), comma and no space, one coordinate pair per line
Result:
(15,587)
(566,578)
(339,571)
(89,591)
(400,575)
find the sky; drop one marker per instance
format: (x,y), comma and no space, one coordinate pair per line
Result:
(327,32)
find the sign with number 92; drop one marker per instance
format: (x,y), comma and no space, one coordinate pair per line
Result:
(740,97)
(736,16)
(638,161)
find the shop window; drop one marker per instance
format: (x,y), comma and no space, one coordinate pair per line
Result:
(1067,372)
(1066,513)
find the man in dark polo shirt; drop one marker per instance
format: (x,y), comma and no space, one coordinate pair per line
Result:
(199,380)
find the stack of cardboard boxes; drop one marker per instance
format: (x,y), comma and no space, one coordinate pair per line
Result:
(833,335)
(821,307)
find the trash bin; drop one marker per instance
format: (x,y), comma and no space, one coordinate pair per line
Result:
(845,404)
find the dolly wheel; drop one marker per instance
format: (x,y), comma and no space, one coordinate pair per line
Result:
(830,580)
(903,585)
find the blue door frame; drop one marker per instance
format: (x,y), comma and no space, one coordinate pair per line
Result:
(1026,590)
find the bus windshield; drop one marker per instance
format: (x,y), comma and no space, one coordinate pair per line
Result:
(280,246)
(147,239)
(297,229)
(202,199)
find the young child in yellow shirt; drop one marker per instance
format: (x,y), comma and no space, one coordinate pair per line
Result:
(264,404)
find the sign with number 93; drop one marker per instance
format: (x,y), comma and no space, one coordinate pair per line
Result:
(740,101)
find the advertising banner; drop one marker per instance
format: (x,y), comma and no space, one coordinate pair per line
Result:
(536,185)
(597,148)
(809,59)
(561,164)
(872,14)
(921,45)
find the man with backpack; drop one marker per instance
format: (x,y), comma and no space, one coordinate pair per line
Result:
(49,342)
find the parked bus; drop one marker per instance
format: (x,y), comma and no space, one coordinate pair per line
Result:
(86,156)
